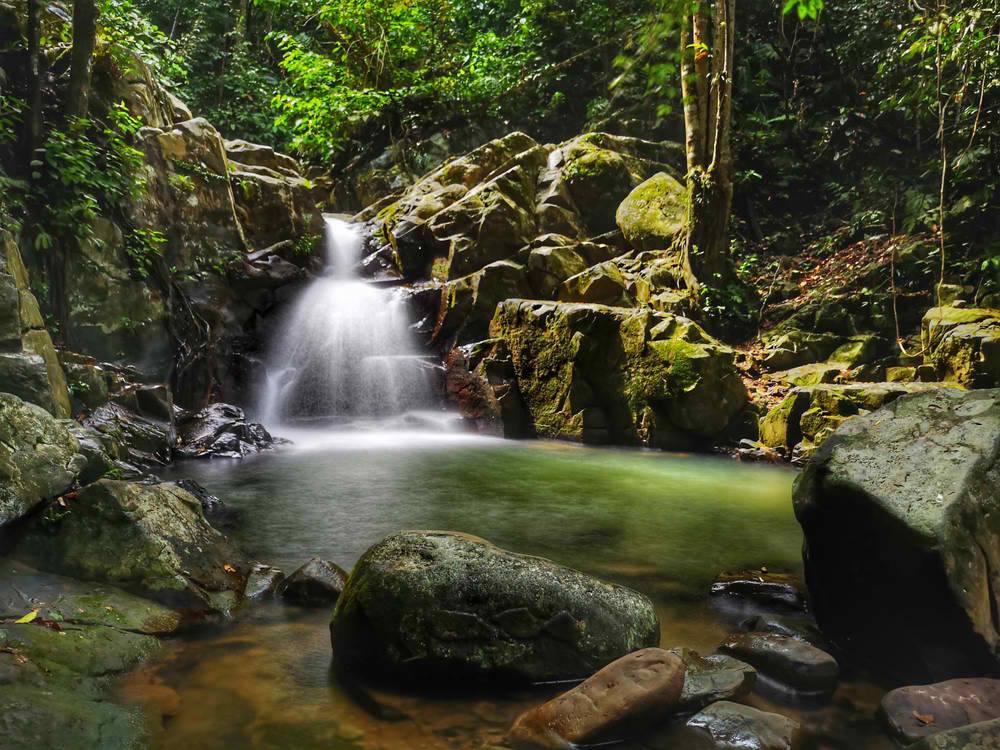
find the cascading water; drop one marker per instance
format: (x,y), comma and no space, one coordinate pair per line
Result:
(346,349)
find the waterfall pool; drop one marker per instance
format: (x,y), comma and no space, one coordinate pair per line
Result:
(664,524)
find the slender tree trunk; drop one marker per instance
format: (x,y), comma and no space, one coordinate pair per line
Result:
(707,49)
(84,40)
(33,132)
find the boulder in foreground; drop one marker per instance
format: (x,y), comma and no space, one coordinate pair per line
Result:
(151,539)
(627,696)
(919,711)
(423,604)
(902,534)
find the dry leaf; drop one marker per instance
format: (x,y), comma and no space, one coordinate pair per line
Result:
(229,568)
(924,719)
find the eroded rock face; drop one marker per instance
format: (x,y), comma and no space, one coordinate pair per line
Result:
(451,605)
(625,697)
(963,345)
(39,457)
(615,375)
(149,539)
(919,711)
(29,366)
(898,510)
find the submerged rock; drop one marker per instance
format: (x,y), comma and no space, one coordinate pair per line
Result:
(793,662)
(444,604)
(149,539)
(316,582)
(615,375)
(39,457)
(755,587)
(919,711)
(732,726)
(897,510)
(627,696)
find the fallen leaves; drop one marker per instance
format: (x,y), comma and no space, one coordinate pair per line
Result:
(925,719)
(229,569)
(30,617)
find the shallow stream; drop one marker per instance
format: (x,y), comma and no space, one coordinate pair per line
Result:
(665,524)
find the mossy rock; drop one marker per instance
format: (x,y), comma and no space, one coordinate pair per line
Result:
(963,345)
(602,284)
(39,458)
(619,375)
(654,214)
(152,540)
(423,605)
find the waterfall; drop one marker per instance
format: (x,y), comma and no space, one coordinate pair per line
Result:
(346,349)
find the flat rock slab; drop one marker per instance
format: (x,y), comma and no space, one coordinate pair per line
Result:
(625,697)
(733,726)
(712,678)
(919,711)
(982,736)
(67,600)
(788,660)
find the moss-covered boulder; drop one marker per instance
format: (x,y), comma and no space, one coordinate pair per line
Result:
(619,375)
(39,458)
(468,304)
(554,258)
(787,348)
(150,539)
(899,512)
(810,414)
(654,214)
(963,345)
(426,604)
(602,284)
(29,365)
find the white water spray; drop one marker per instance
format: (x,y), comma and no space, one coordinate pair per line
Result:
(346,349)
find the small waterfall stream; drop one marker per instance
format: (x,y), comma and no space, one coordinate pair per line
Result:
(346,350)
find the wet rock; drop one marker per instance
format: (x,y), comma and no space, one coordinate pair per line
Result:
(982,736)
(98,451)
(447,604)
(732,726)
(716,677)
(263,581)
(625,697)
(39,457)
(144,441)
(616,375)
(755,587)
(912,488)
(315,583)
(220,431)
(149,539)
(919,711)
(68,601)
(794,626)
(210,504)
(790,661)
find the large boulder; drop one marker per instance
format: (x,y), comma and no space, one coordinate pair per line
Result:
(618,375)
(423,604)
(899,510)
(220,431)
(626,697)
(731,726)
(151,539)
(984,735)
(29,365)
(917,711)
(39,458)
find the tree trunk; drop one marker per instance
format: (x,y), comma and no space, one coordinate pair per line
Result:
(84,40)
(33,131)
(706,82)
